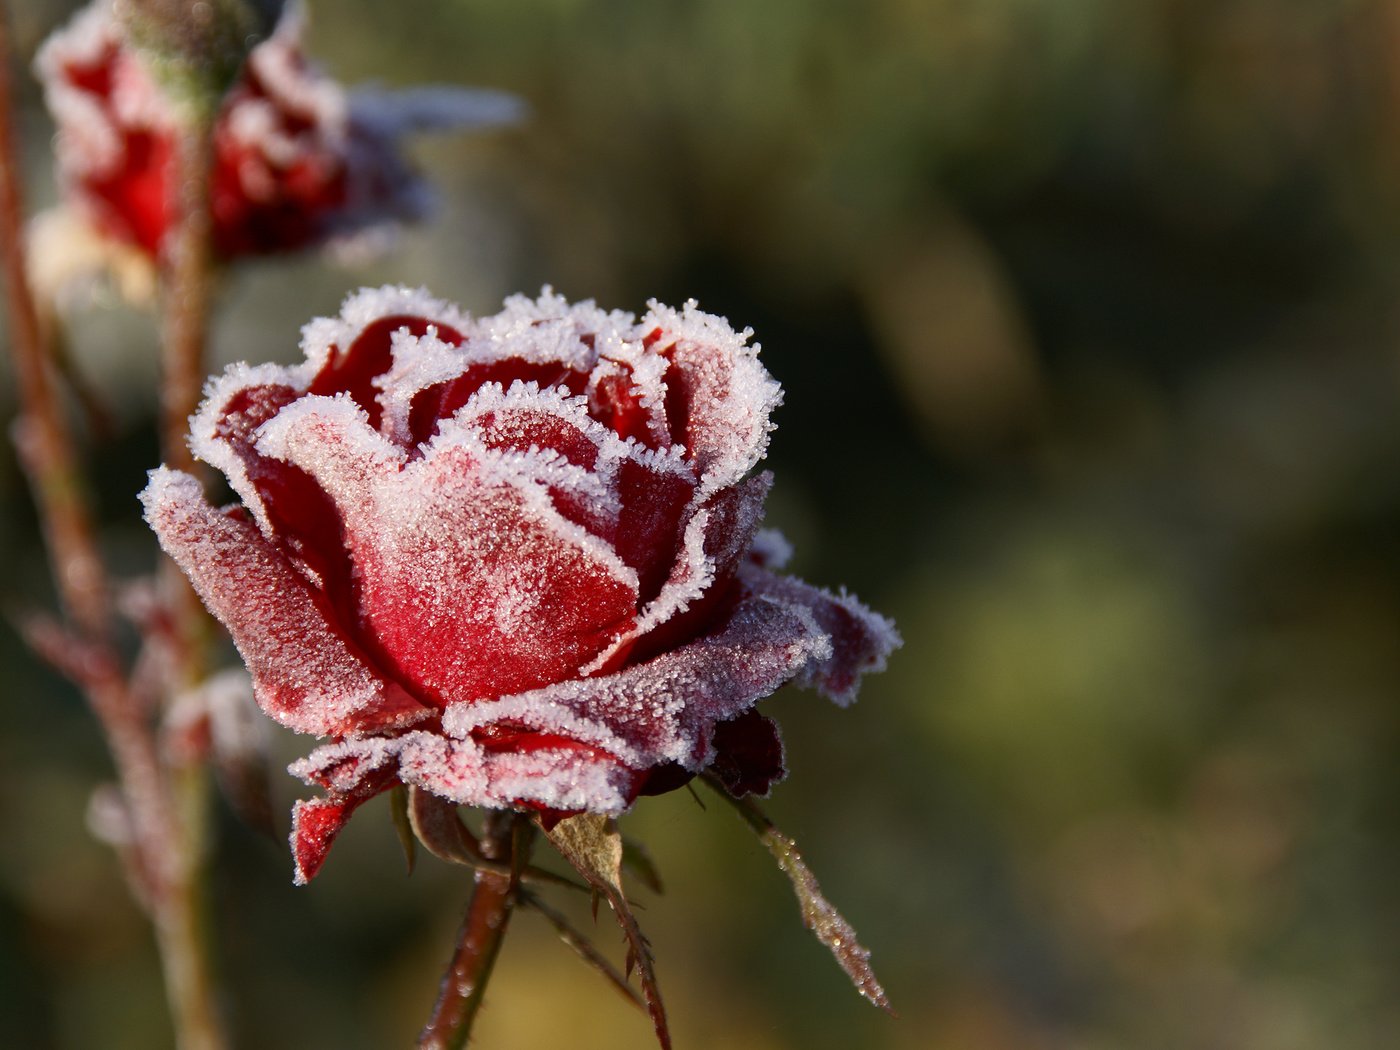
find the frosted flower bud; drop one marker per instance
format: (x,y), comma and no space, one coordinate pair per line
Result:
(298,162)
(514,561)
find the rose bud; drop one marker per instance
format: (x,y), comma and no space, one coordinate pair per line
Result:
(514,560)
(298,162)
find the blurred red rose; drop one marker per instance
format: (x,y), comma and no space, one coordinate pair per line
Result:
(514,560)
(297,161)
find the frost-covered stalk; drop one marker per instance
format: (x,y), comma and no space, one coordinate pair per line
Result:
(158,850)
(494,896)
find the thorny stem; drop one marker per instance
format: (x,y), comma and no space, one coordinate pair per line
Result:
(166,812)
(494,896)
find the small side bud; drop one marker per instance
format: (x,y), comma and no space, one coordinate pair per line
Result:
(196,48)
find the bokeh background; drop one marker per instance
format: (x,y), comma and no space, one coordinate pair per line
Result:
(1087,315)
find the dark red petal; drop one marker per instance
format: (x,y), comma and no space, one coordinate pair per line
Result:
(748,754)
(353,369)
(732,517)
(316,822)
(306,672)
(649,528)
(436,403)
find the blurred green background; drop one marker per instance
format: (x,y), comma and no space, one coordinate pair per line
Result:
(1087,315)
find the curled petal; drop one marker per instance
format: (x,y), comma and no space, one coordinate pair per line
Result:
(718,396)
(861,640)
(306,673)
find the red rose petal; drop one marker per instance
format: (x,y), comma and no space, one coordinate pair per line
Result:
(306,673)
(748,754)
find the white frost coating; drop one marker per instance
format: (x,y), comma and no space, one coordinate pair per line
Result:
(205,442)
(419,362)
(771,549)
(732,394)
(562,779)
(463,772)
(527,399)
(428,495)
(341,766)
(324,335)
(330,438)
(552,312)
(454,770)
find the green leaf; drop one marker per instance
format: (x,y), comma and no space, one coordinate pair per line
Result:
(818,913)
(591,843)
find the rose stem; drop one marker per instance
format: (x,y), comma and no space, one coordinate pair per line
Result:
(494,896)
(46,449)
(182,924)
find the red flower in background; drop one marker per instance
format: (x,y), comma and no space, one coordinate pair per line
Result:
(297,160)
(515,560)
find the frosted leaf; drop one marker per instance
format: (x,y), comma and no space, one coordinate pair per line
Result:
(591,843)
(818,914)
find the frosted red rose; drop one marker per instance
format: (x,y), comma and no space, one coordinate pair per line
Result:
(297,160)
(514,560)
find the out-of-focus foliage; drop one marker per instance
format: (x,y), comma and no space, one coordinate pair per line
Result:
(1086,312)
